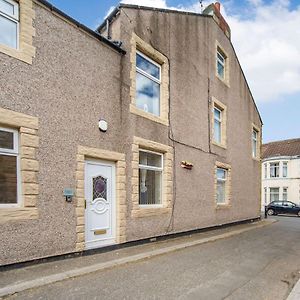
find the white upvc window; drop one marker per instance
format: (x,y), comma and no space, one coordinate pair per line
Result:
(274,169)
(9,168)
(9,23)
(274,194)
(217,125)
(254,143)
(266,196)
(266,170)
(148,84)
(150,178)
(222,175)
(285,194)
(284,169)
(221,63)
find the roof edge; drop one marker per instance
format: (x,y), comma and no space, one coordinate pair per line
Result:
(282,141)
(134,6)
(81,26)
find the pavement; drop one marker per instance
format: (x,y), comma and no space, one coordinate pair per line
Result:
(228,263)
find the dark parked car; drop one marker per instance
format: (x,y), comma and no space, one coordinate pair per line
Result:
(283,207)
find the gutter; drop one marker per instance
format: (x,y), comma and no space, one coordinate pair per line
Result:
(81,26)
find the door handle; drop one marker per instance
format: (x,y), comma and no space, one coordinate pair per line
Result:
(84,203)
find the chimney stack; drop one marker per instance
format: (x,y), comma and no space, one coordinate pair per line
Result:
(214,10)
(218,6)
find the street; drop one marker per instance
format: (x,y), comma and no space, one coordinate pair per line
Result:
(260,264)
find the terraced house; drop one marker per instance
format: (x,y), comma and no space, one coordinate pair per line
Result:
(143,128)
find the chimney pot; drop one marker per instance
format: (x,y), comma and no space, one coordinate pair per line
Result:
(218,6)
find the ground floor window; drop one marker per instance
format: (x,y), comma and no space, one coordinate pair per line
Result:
(221,185)
(266,196)
(285,194)
(274,194)
(150,178)
(9,165)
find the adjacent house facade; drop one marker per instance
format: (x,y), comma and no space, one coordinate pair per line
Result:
(281,171)
(144,128)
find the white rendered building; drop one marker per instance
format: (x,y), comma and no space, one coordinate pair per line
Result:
(281,171)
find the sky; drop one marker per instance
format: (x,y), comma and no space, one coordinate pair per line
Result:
(266,37)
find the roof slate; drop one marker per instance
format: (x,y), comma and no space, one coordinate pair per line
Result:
(281,148)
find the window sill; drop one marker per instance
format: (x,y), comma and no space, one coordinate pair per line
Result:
(223,80)
(223,206)
(143,211)
(219,145)
(256,159)
(17,214)
(139,112)
(15,53)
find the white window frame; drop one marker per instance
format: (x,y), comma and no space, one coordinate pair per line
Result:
(285,166)
(266,195)
(220,122)
(266,170)
(271,193)
(225,185)
(151,168)
(14,18)
(149,76)
(272,167)
(13,152)
(254,143)
(223,63)
(285,191)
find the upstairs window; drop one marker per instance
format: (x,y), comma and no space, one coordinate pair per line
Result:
(284,169)
(217,125)
(9,165)
(150,177)
(221,63)
(254,143)
(148,84)
(266,170)
(274,170)
(9,23)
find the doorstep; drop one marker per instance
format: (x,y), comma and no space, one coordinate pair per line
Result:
(17,280)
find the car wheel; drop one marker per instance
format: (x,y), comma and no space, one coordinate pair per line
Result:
(299,213)
(270,212)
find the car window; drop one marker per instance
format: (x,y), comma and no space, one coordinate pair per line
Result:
(287,204)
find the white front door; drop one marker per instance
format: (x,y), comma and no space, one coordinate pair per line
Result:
(100,212)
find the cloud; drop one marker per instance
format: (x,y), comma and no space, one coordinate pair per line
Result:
(266,38)
(268,49)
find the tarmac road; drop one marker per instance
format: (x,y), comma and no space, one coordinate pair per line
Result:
(263,263)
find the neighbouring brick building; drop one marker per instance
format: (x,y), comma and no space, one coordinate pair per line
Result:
(103,143)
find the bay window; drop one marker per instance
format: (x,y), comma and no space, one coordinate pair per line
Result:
(274,194)
(150,177)
(274,170)
(284,169)
(285,194)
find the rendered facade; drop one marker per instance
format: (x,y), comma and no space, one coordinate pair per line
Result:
(103,143)
(281,171)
